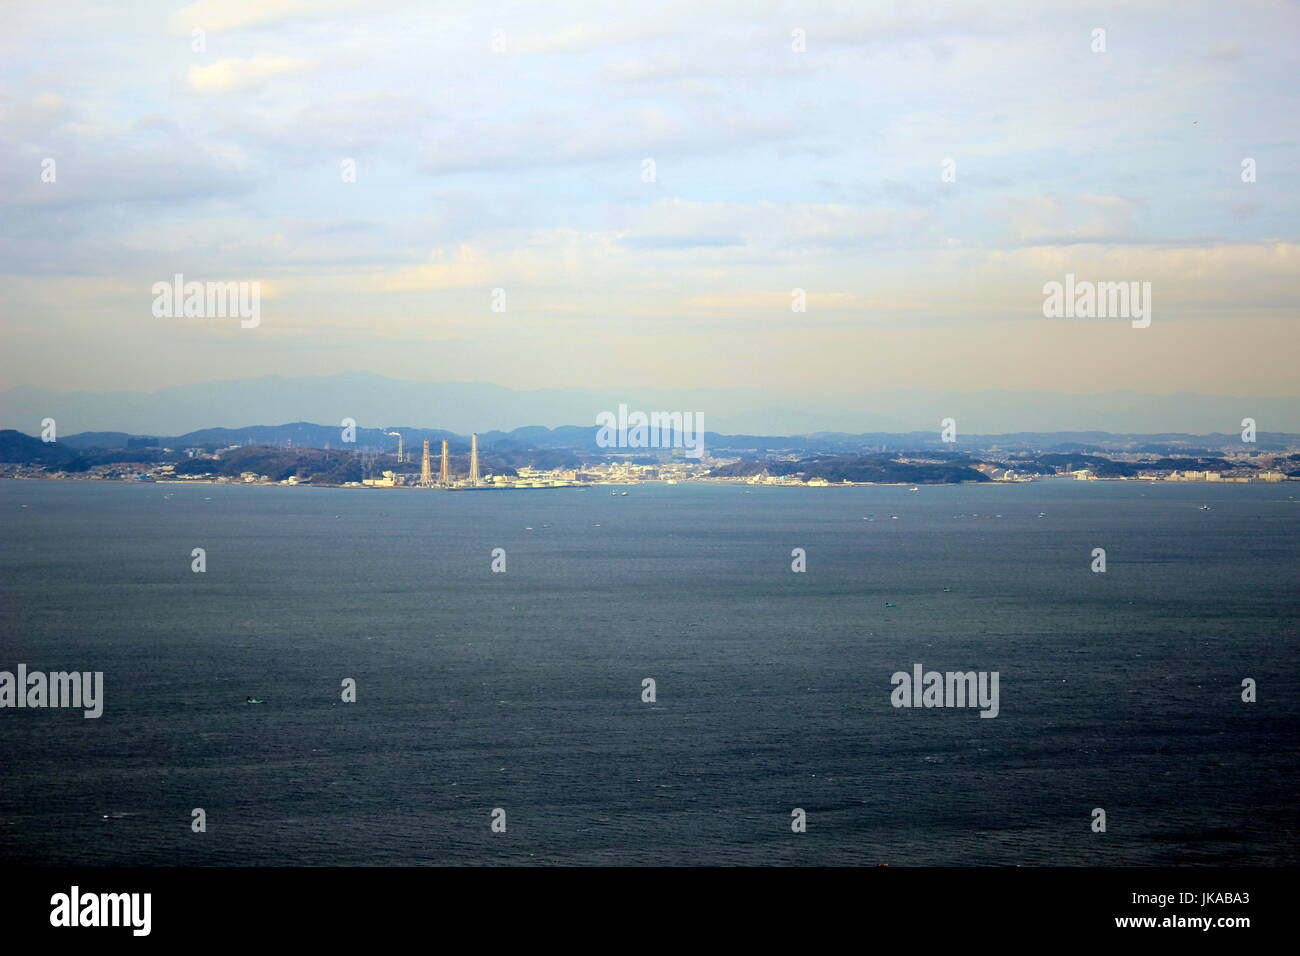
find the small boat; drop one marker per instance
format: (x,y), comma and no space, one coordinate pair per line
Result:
(254,700)
(1204,508)
(913,489)
(890,604)
(613,494)
(624,494)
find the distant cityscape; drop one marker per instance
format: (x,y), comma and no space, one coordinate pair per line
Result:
(299,454)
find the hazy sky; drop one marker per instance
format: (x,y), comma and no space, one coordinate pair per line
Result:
(522,169)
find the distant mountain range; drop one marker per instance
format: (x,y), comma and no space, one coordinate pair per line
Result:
(462,407)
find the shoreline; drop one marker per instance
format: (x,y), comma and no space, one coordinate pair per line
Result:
(632,484)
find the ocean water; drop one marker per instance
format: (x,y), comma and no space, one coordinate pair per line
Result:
(522,690)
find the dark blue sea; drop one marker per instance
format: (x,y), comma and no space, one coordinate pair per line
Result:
(523,690)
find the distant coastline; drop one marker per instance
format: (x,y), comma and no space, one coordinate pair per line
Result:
(306,454)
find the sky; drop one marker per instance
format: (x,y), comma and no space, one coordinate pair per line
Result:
(919,170)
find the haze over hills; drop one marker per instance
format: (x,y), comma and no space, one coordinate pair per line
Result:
(464,407)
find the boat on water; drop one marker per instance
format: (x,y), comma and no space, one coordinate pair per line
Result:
(254,700)
(1204,508)
(624,494)
(913,489)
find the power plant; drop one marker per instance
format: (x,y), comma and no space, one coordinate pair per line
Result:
(445,479)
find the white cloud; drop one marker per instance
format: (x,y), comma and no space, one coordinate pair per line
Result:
(234,74)
(585,37)
(223,15)
(1086,218)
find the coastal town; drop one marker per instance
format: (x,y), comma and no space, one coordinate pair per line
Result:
(508,467)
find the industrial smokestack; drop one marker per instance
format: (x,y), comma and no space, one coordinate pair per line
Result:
(473,458)
(426,471)
(445,477)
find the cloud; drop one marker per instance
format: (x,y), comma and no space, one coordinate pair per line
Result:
(1040,220)
(551,137)
(234,74)
(680,223)
(585,37)
(224,15)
